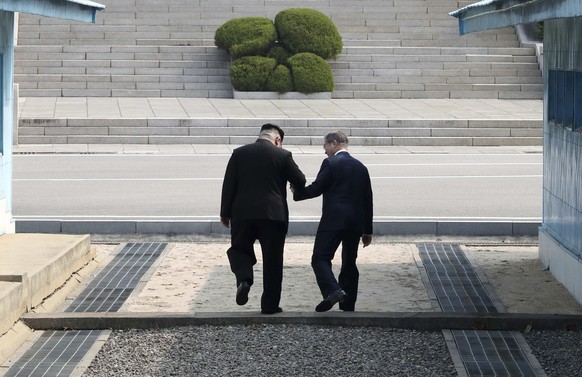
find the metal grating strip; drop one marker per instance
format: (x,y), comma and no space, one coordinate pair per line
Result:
(453,279)
(113,285)
(458,288)
(57,353)
(492,353)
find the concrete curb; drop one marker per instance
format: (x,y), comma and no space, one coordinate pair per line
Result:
(34,267)
(296,228)
(426,321)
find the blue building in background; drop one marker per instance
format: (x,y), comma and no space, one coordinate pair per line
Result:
(78,10)
(560,236)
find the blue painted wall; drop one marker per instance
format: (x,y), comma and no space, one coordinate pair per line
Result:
(6,98)
(562,195)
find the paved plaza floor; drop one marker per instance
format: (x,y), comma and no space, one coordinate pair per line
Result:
(195,277)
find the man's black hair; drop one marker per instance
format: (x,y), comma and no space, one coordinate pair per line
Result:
(270,126)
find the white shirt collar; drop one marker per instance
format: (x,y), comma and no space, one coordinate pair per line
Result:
(341,150)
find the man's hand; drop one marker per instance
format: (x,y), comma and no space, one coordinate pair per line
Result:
(366,239)
(225,221)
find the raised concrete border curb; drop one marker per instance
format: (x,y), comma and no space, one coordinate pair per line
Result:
(296,228)
(34,267)
(427,321)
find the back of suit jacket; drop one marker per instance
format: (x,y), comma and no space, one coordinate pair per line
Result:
(255,183)
(347,194)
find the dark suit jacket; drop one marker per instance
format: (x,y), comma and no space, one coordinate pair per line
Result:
(255,183)
(347,194)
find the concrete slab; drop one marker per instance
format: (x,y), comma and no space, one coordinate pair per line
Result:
(33,266)
(20,336)
(299,227)
(424,321)
(12,306)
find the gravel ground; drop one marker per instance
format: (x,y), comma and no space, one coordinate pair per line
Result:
(559,352)
(293,350)
(273,350)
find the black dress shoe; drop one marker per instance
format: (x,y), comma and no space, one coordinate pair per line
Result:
(331,300)
(242,293)
(271,311)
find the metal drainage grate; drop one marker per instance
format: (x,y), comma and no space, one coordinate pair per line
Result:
(112,286)
(458,289)
(57,353)
(492,353)
(453,279)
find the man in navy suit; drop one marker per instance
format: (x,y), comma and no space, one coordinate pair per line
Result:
(254,205)
(346,217)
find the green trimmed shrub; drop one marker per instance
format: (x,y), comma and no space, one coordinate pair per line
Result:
(308,30)
(251,73)
(280,80)
(280,54)
(285,55)
(246,36)
(310,73)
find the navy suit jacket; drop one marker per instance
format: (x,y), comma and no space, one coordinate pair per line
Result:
(255,183)
(347,194)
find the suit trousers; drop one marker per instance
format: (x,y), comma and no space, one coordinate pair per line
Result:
(326,244)
(241,255)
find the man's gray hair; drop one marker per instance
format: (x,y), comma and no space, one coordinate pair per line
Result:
(337,136)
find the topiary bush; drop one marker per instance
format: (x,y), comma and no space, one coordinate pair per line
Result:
(246,36)
(251,73)
(285,55)
(280,54)
(310,73)
(280,80)
(308,30)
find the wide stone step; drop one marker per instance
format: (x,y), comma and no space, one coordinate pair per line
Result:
(435,69)
(352,47)
(468,58)
(292,140)
(292,132)
(205,131)
(403,30)
(430,50)
(437,94)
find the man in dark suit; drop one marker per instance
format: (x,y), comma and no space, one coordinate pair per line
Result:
(346,217)
(254,205)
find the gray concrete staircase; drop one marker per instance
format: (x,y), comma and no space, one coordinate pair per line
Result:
(400,49)
(122,120)
(155,48)
(297,132)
